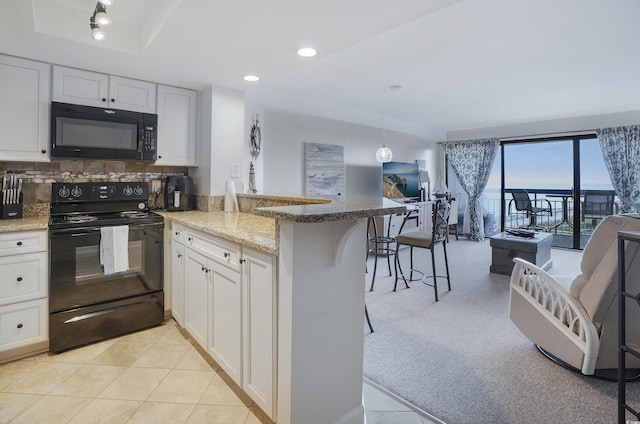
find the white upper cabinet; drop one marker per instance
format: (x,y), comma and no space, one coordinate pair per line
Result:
(77,86)
(176,126)
(24,110)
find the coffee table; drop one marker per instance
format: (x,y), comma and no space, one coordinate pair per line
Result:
(505,247)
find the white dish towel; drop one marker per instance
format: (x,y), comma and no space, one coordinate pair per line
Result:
(114,249)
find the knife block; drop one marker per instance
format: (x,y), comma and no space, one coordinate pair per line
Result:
(11,210)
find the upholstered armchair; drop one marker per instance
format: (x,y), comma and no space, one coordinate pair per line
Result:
(578,327)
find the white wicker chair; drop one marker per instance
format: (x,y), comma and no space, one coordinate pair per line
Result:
(578,327)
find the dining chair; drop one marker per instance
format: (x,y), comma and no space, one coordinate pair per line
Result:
(596,205)
(425,240)
(526,207)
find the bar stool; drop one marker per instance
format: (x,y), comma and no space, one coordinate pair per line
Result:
(420,239)
(379,245)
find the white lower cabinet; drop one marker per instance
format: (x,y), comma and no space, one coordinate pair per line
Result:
(24,305)
(196,314)
(224,295)
(225,319)
(259,324)
(177,282)
(23,323)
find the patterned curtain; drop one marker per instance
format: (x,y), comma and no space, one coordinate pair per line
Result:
(472,161)
(621,151)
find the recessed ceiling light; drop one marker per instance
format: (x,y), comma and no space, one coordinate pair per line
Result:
(251,78)
(306,52)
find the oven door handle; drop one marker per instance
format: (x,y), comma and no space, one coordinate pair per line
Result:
(85,231)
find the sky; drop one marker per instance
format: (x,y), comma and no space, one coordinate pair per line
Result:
(549,165)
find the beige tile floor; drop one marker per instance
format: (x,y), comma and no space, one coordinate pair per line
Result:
(153,376)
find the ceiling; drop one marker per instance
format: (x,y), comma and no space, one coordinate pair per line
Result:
(461,63)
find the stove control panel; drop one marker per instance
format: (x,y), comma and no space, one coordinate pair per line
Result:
(99,191)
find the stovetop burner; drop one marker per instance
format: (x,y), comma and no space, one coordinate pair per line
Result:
(77,219)
(103,219)
(97,204)
(134,214)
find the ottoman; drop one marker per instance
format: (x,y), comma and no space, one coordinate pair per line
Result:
(505,247)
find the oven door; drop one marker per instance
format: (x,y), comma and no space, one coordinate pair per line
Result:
(77,278)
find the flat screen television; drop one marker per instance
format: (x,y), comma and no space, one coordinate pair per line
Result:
(400,180)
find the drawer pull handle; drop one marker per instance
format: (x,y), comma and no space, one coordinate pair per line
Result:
(19,243)
(190,239)
(177,233)
(19,279)
(227,254)
(19,325)
(179,255)
(242,261)
(203,268)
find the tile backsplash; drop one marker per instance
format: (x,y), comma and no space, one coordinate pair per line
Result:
(38,176)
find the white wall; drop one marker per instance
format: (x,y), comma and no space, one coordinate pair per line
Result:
(284,135)
(220,140)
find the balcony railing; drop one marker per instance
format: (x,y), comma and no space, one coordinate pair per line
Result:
(563,212)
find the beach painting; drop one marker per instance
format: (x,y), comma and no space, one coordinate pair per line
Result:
(324,169)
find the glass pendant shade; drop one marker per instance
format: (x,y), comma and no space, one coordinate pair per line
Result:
(384,154)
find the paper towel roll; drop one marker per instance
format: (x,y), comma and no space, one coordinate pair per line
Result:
(230,199)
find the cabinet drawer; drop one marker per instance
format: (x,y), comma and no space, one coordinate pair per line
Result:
(20,242)
(24,277)
(221,251)
(23,323)
(178,232)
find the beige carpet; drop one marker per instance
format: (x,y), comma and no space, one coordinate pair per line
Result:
(463,361)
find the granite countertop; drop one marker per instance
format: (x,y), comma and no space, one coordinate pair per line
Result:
(339,209)
(259,231)
(24,224)
(249,230)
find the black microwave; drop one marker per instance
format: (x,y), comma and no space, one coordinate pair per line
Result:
(86,132)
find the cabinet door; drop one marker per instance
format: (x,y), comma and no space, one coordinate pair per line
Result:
(131,94)
(225,325)
(23,324)
(24,110)
(24,277)
(176,126)
(177,282)
(196,299)
(88,88)
(259,357)
(81,87)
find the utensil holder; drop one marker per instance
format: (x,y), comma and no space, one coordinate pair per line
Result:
(11,210)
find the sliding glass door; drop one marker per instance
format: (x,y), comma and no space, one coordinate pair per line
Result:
(566,182)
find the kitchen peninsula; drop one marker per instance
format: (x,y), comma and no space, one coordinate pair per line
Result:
(317,302)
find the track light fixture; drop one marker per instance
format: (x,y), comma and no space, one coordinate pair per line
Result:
(99,19)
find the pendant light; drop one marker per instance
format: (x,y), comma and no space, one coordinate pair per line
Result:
(384,154)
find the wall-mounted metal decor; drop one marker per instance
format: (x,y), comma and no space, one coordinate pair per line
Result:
(255,142)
